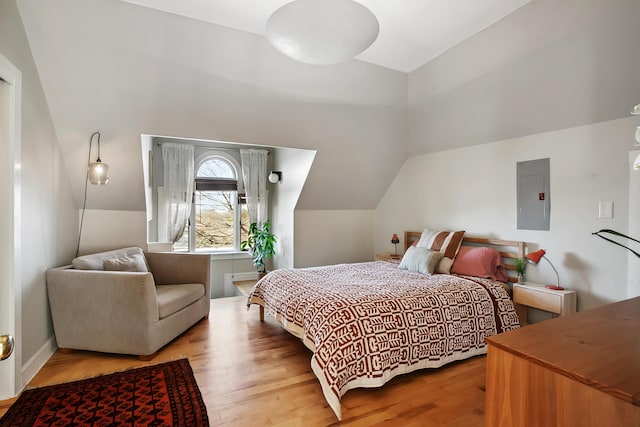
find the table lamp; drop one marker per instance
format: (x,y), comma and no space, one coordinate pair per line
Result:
(535,257)
(395,240)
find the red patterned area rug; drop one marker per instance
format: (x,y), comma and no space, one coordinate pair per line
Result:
(159,395)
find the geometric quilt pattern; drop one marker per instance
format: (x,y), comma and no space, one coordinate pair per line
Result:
(368,322)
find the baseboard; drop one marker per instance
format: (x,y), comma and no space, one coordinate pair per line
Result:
(36,362)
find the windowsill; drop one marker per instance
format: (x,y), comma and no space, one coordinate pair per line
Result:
(218,256)
(215,255)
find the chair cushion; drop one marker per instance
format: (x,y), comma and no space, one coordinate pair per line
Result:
(134,262)
(173,298)
(96,261)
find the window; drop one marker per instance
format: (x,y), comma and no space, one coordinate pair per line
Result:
(219,218)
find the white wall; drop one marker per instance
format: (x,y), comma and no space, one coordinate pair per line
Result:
(475,189)
(136,71)
(105,230)
(294,165)
(332,237)
(49,213)
(227,268)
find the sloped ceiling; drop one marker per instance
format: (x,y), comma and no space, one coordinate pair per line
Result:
(549,65)
(412,32)
(127,70)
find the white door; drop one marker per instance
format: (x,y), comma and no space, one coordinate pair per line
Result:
(10,105)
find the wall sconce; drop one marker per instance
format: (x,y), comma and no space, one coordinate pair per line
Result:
(98,171)
(97,174)
(535,257)
(275,176)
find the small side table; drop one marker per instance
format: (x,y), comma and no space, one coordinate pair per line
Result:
(534,295)
(389,258)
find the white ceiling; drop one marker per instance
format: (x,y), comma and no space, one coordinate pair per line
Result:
(412,32)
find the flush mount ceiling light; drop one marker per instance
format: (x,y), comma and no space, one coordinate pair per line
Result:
(322,31)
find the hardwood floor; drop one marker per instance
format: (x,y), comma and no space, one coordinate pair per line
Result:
(252,373)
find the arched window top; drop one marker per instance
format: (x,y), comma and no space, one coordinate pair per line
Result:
(216,167)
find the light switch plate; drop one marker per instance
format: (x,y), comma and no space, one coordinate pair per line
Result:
(605,210)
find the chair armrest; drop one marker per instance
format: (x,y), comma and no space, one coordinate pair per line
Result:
(170,268)
(111,297)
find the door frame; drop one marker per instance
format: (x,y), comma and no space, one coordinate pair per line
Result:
(11,383)
(633,276)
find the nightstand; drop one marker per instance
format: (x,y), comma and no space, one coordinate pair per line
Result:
(389,258)
(534,295)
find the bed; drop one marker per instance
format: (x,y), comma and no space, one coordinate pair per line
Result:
(369,322)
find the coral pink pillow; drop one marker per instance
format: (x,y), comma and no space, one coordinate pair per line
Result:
(479,262)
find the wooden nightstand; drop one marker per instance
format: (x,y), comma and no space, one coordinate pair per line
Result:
(389,258)
(530,294)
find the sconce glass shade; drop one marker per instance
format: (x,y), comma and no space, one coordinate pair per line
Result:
(322,31)
(98,173)
(636,163)
(636,110)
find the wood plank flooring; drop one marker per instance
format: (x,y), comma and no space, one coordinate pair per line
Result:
(256,374)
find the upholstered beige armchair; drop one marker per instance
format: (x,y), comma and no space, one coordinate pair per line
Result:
(129,312)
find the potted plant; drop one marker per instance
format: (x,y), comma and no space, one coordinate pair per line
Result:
(520,265)
(261,243)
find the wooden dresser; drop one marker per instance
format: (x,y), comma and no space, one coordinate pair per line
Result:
(578,370)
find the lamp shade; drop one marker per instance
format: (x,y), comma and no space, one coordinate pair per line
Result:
(98,173)
(395,239)
(535,257)
(636,163)
(322,31)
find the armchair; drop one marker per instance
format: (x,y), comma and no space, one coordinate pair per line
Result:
(128,312)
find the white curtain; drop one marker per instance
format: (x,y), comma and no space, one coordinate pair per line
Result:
(178,187)
(254,174)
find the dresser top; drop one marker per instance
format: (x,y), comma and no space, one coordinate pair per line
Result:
(599,347)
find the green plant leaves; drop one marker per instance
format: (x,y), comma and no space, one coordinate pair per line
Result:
(261,242)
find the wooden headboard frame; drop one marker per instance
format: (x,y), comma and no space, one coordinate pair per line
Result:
(510,250)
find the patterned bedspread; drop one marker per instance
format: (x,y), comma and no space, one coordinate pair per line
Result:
(368,322)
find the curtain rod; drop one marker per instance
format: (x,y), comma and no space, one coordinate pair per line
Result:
(217,148)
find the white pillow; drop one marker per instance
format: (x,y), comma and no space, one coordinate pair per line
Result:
(421,260)
(446,242)
(96,261)
(134,262)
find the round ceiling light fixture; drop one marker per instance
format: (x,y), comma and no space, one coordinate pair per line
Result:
(322,31)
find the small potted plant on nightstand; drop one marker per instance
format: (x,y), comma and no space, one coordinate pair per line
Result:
(261,242)
(521,266)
